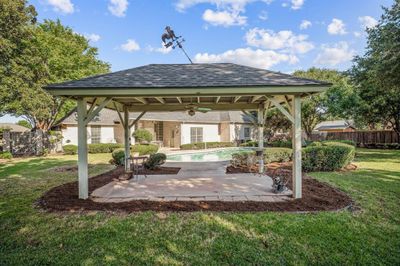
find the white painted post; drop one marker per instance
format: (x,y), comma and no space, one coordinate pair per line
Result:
(127,140)
(82,149)
(296,141)
(260,117)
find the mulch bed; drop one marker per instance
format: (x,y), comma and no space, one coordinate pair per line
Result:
(161,171)
(317,196)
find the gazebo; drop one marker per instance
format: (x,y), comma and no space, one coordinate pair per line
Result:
(184,87)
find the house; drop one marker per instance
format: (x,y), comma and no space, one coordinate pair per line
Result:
(169,129)
(14,127)
(335,126)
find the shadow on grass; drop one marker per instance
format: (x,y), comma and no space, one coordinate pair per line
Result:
(32,165)
(370,155)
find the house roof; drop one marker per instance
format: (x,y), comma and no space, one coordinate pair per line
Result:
(188,76)
(334,124)
(14,127)
(110,117)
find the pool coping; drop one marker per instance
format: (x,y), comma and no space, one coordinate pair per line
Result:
(188,152)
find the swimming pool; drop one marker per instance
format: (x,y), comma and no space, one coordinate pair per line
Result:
(206,156)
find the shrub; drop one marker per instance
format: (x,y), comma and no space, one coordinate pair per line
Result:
(208,145)
(143,135)
(348,142)
(104,147)
(144,149)
(250,143)
(118,156)
(315,143)
(6,155)
(271,155)
(281,143)
(328,157)
(70,149)
(155,160)
(393,146)
(279,155)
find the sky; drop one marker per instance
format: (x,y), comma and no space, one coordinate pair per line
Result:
(280,35)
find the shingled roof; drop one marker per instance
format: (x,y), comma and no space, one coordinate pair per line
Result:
(188,76)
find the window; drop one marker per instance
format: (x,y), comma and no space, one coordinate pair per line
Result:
(196,134)
(95,134)
(159,131)
(246,132)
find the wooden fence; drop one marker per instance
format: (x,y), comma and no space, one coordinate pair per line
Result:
(359,137)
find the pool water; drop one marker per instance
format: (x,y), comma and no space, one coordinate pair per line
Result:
(206,156)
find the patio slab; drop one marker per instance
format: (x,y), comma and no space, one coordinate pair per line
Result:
(196,181)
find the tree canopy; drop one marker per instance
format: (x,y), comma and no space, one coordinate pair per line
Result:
(45,53)
(376,74)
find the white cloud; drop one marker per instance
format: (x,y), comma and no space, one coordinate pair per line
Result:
(305,24)
(284,4)
(357,34)
(337,27)
(130,46)
(118,7)
(247,56)
(161,49)
(335,54)
(92,37)
(297,4)
(223,18)
(282,40)
(238,5)
(263,15)
(63,6)
(367,22)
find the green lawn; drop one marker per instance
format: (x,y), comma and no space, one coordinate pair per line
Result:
(369,236)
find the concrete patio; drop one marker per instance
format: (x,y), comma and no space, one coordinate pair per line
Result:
(196,181)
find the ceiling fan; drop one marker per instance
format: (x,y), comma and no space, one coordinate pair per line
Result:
(192,109)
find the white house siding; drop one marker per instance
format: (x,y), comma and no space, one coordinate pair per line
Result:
(70,134)
(107,134)
(210,132)
(237,131)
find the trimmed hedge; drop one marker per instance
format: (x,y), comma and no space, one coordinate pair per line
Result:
(144,149)
(329,156)
(348,142)
(104,147)
(271,155)
(155,160)
(279,155)
(203,145)
(6,155)
(118,157)
(70,149)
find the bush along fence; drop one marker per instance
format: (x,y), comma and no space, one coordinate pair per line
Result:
(142,149)
(380,139)
(318,156)
(30,143)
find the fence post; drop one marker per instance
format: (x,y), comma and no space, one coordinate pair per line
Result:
(39,142)
(7,141)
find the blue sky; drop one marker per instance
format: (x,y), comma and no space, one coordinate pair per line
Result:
(281,35)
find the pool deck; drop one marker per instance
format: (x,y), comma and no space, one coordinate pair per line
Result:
(196,181)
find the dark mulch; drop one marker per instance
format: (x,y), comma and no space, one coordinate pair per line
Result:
(161,171)
(317,196)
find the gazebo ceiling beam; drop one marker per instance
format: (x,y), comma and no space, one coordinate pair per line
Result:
(181,92)
(180,107)
(141,99)
(160,99)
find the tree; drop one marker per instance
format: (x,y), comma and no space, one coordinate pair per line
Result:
(376,73)
(327,105)
(55,54)
(16,31)
(24,123)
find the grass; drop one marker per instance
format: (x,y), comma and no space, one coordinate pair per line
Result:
(371,236)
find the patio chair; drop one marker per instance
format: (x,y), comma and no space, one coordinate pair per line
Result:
(138,165)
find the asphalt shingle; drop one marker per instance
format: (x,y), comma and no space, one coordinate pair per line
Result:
(187,76)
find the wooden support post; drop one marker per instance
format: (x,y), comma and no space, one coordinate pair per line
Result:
(260,117)
(296,140)
(82,149)
(127,139)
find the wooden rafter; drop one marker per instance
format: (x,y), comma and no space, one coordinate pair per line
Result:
(217,99)
(141,99)
(236,99)
(160,99)
(179,99)
(137,119)
(92,114)
(255,98)
(282,109)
